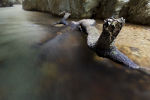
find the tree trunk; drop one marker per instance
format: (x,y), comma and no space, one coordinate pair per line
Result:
(102,43)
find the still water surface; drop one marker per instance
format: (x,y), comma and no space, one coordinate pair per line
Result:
(61,69)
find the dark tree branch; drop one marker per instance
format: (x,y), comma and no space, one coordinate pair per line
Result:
(63,20)
(103,43)
(114,54)
(111,29)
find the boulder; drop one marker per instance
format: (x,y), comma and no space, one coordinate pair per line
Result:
(139,12)
(135,12)
(108,8)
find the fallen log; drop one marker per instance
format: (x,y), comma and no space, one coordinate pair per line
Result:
(63,20)
(101,43)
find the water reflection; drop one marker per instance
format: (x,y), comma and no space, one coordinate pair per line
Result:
(63,68)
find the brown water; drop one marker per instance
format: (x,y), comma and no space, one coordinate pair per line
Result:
(61,69)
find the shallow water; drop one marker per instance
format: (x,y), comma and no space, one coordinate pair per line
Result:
(63,68)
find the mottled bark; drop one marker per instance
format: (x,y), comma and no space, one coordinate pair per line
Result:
(103,43)
(111,29)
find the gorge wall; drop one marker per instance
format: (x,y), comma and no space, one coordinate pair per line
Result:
(9,3)
(134,11)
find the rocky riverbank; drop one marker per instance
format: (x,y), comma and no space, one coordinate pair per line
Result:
(135,12)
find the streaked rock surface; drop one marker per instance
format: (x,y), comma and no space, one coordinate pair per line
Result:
(78,8)
(135,12)
(9,3)
(6,3)
(139,12)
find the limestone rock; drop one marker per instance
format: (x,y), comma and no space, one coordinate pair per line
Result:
(139,11)
(18,1)
(9,3)
(135,12)
(6,3)
(78,8)
(108,8)
(30,4)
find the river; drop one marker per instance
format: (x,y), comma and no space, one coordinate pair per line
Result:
(61,69)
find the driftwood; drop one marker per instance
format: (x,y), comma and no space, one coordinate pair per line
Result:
(101,43)
(63,20)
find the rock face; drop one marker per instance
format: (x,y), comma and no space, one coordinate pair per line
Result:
(6,3)
(18,1)
(139,11)
(108,8)
(9,3)
(78,8)
(135,12)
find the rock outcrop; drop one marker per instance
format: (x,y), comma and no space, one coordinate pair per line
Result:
(108,8)
(78,8)
(135,12)
(6,3)
(139,11)
(9,3)
(18,1)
